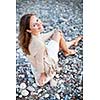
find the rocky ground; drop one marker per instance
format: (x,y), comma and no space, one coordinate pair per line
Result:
(68,16)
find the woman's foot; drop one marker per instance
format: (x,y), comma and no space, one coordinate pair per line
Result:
(70,52)
(77,40)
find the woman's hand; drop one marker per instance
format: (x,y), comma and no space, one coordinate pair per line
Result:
(42,79)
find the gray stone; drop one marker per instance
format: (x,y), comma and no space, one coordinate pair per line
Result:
(30,88)
(46,95)
(40,90)
(23,86)
(57,96)
(20,96)
(24,92)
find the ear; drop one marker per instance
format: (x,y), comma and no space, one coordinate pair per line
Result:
(29,31)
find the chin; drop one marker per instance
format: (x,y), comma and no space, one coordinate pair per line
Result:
(42,29)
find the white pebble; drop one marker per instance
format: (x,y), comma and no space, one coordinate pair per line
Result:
(22,85)
(16,94)
(30,88)
(39,90)
(22,75)
(17,86)
(53,83)
(57,75)
(20,96)
(57,95)
(46,95)
(24,92)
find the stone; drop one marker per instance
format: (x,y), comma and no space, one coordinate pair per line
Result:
(66,97)
(30,88)
(40,90)
(24,92)
(22,86)
(22,75)
(34,85)
(57,75)
(57,96)
(46,95)
(53,83)
(61,81)
(16,94)
(60,90)
(20,96)
(17,86)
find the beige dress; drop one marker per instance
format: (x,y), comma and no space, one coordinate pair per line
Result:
(43,57)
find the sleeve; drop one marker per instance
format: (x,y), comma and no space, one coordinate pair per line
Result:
(37,50)
(47,36)
(35,46)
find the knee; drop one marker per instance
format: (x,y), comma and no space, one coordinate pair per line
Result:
(57,33)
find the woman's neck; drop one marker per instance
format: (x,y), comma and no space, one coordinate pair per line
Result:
(36,34)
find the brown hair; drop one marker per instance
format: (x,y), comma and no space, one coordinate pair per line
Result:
(25,37)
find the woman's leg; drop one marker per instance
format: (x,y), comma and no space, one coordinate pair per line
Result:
(65,47)
(74,42)
(58,37)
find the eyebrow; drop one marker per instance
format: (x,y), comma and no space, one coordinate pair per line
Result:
(35,22)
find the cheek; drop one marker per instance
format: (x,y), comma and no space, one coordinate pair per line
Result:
(35,29)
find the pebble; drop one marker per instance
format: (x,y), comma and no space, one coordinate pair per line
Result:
(66,97)
(24,92)
(20,96)
(30,88)
(53,13)
(57,75)
(16,94)
(46,95)
(34,85)
(40,90)
(57,96)
(22,75)
(22,85)
(61,81)
(53,83)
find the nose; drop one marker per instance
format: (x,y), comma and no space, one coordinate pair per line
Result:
(39,23)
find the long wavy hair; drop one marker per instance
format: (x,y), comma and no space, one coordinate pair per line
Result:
(25,37)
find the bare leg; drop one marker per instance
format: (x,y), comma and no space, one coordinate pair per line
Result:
(58,37)
(65,47)
(74,42)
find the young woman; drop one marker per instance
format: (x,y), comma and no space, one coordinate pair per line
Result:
(43,57)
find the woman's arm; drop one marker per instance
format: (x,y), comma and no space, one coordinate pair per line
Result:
(47,35)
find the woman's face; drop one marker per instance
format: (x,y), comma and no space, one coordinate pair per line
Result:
(36,25)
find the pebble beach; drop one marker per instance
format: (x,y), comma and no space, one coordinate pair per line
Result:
(66,15)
